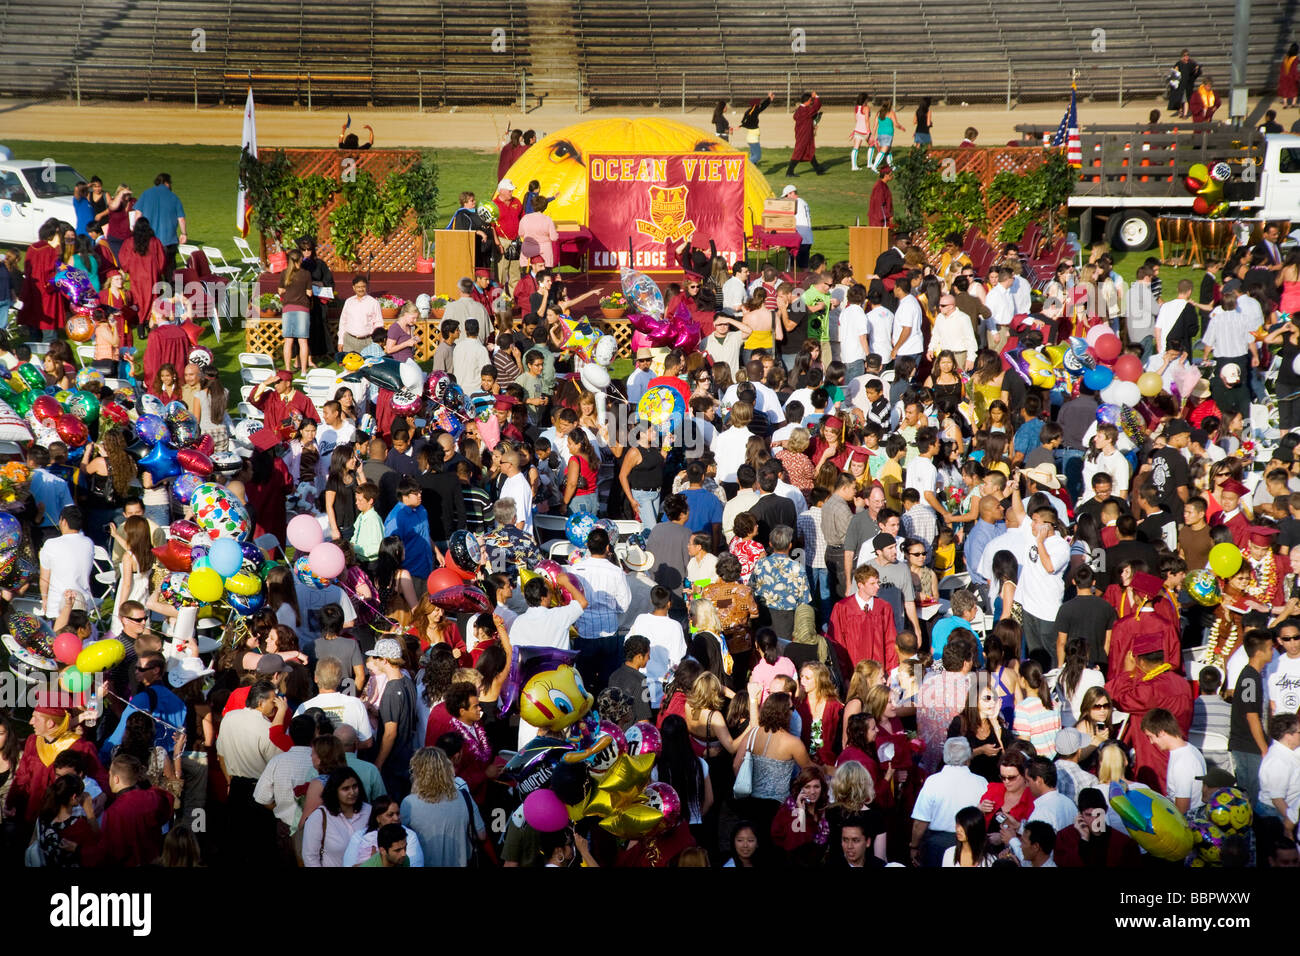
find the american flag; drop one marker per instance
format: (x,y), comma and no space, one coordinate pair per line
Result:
(1067,134)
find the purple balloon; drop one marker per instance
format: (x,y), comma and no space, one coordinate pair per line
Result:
(686,334)
(151,429)
(1107,414)
(1017,361)
(184,486)
(648,325)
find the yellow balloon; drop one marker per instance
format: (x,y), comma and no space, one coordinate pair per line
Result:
(206,585)
(558,161)
(633,822)
(243,584)
(100,656)
(1056,354)
(1150,384)
(1199,171)
(1225,559)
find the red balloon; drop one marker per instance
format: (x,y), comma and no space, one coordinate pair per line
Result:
(66,648)
(206,445)
(71,430)
(174,555)
(115,413)
(1193,184)
(1201,206)
(442,579)
(47,409)
(1128,368)
(194,461)
(462,599)
(184,530)
(1108,348)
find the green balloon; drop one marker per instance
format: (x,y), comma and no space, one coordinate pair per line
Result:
(75,681)
(84,406)
(267,568)
(7,393)
(22,403)
(33,376)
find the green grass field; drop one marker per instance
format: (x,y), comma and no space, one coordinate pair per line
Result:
(205,179)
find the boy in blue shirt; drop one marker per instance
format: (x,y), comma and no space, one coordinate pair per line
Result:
(410,522)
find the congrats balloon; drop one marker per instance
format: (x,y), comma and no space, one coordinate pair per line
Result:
(219,513)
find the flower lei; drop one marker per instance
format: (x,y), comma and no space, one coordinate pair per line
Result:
(476,741)
(1263,578)
(1222,645)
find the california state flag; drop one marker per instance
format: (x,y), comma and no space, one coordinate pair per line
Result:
(244,208)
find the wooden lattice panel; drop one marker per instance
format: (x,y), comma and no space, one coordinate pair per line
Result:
(399,251)
(265,336)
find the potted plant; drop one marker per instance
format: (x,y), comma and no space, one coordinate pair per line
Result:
(389,304)
(438,306)
(268,303)
(614,306)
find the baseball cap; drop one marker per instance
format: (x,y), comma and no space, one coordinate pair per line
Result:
(388,648)
(1217,777)
(1177,427)
(272,664)
(788,190)
(1070,740)
(883,540)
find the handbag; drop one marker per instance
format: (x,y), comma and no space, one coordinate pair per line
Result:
(744,784)
(514,250)
(477,859)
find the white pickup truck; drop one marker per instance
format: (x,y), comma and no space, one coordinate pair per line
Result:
(32,191)
(1133,174)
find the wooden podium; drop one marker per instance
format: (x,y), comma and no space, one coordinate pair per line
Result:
(866,243)
(453,256)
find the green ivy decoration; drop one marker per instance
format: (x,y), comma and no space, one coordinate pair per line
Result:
(1037,193)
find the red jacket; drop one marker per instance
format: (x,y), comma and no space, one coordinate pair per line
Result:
(860,635)
(1121,851)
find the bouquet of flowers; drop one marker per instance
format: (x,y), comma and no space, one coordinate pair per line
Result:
(616,300)
(391,302)
(954,496)
(15,477)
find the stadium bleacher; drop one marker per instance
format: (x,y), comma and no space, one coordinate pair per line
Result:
(614,52)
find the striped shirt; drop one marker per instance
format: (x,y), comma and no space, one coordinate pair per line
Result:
(1038,725)
(810,531)
(477,506)
(1229,334)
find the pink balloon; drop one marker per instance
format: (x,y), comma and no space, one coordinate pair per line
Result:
(1096,332)
(648,324)
(1108,347)
(304,533)
(326,559)
(686,334)
(640,341)
(66,647)
(1128,368)
(544,812)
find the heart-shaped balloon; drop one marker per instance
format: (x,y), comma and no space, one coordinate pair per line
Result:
(72,430)
(185,530)
(194,461)
(206,445)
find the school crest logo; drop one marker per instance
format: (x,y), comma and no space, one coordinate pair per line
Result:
(668,222)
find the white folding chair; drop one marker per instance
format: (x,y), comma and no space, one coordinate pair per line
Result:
(85,354)
(245,391)
(186,250)
(954,582)
(217,263)
(257,360)
(251,262)
(320,385)
(627,528)
(559,548)
(268,542)
(552,523)
(249,411)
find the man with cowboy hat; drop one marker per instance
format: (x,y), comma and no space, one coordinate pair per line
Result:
(1044,478)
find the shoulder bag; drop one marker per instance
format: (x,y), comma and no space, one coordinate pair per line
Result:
(744,785)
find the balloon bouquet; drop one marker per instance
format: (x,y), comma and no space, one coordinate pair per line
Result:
(80,293)
(1206,184)
(578,765)
(1155,824)
(1098,362)
(597,350)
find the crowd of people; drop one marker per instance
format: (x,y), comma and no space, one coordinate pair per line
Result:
(888,596)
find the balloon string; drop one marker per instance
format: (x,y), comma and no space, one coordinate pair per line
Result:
(392,625)
(154,717)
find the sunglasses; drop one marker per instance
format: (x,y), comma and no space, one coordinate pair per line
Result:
(1008,779)
(1289,638)
(135,620)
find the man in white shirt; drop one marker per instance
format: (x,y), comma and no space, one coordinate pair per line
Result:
(468,356)
(734,289)
(1169,314)
(728,446)
(854,341)
(907,338)
(880,325)
(1050,805)
(66,563)
(1041,586)
(922,475)
(517,489)
(1279,772)
(802,224)
(953,332)
(608,600)
(1003,307)
(1186,763)
(341,708)
(1020,293)
(542,626)
(639,381)
(765,400)
(1282,676)
(934,816)
(746,497)
(286,771)
(667,643)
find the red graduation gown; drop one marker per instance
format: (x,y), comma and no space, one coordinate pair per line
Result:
(880,211)
(860,635)
(32,778)
(144,271)
(1239,526)
(43,307)
(168,345)
(1128,628)
(1136,696)
(804,146)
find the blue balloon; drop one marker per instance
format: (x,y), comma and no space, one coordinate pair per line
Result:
(1108,414)
(151,429)
(578,526)
(253,556)
(1098,378)
(184,486)
(161,462)
(245,605)
(226,556)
